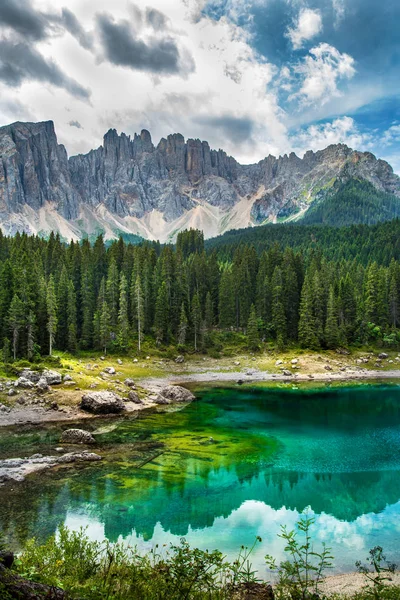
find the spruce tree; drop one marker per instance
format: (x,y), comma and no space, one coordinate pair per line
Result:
(123,319)
(183,326)
(51,303)
(30,337)
(161,317)
(253,338)
(138,308)
(308,337)
(278,309)
(71,319)
(15,322)
(196,318)
(332,324)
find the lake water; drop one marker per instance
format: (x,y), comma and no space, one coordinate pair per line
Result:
(238,463)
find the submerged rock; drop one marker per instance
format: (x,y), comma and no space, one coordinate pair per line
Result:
(77,436)
(102,403)
(16,469)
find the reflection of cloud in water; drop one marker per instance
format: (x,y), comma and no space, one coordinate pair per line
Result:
(350,541)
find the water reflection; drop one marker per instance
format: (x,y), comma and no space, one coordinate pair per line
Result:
(272,454)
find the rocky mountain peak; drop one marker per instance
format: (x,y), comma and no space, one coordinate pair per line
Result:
(130,185)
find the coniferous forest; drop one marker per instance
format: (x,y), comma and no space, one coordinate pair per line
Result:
(102,297)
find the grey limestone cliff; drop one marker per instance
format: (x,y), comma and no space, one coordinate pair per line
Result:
(131,177)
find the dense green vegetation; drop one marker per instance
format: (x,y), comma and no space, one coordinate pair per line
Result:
(363,243)
(354,202)
(93,297)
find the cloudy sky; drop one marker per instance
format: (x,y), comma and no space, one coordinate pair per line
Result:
(253,77)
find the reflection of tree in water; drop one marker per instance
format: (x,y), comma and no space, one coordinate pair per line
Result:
(193,480)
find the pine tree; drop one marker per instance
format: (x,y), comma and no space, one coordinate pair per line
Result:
(226,300)
(209,313)
(104,326)
(253,338)
(123,319)
(138,308)
(112,293)
(332,324)
(71,319)
(51,302)
(308,336)
(30,338)
(278,309)
(183,326)
(15,322)
(161,317)
(196,319)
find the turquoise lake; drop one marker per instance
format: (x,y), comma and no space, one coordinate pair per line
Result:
(238,463)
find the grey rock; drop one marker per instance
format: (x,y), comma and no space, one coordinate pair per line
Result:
(52,377)
(42,385)
(16,469)
(180,359)
(287,373)
(4,409)
(109,370)
(176,393)
(77,436)
(24,383)
(33,376)
(328,368)
(133,397)
(102,403)
(129,382)
(383,355)
(67,377)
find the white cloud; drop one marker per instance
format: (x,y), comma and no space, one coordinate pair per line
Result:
(339,9)
(343,130)
(391,135)
(229,80)
(321,71)
(309,24)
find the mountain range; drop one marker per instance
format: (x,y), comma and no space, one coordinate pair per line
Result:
(129,186)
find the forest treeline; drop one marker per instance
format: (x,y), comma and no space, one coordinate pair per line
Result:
(363,243)
(96,297)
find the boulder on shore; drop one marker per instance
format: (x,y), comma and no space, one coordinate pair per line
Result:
(133,397)
(176,393)
(102,403)
(23,382)
(76,436)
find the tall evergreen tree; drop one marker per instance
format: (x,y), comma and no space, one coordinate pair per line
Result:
(15,322)
(138,308)
(253,337)
(183,326)
(332,323)
(51,302)
(123,319)
(196,319)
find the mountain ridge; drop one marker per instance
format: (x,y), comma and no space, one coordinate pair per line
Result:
(129,185)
